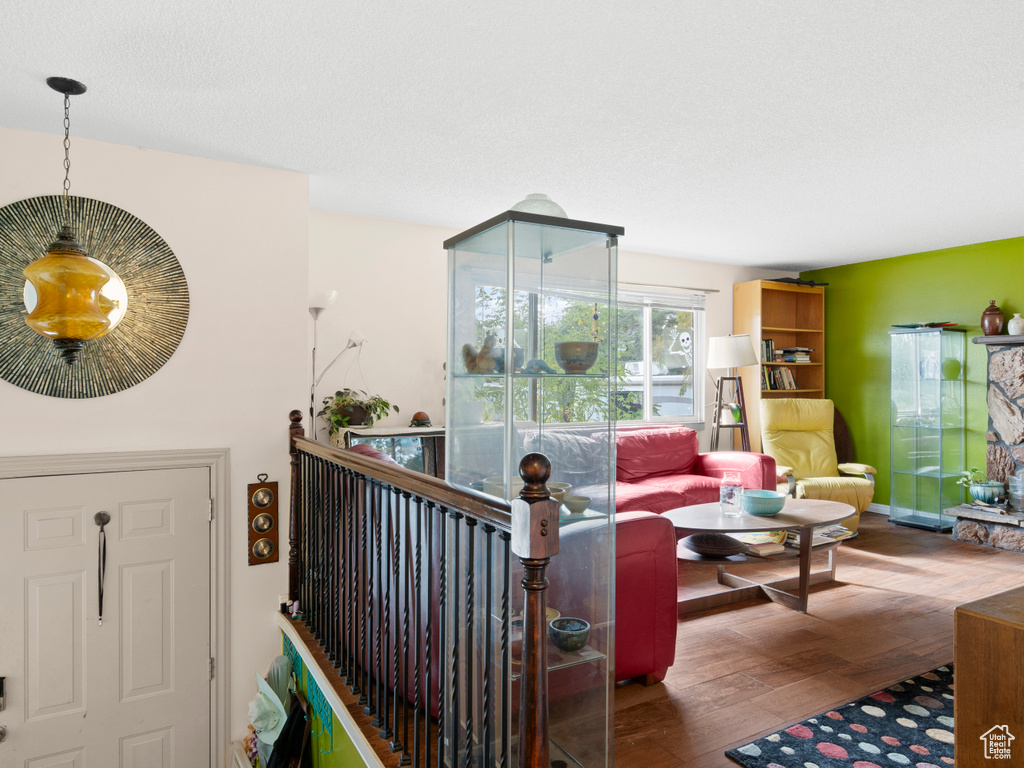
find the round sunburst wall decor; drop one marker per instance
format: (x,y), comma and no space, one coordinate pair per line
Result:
(143,341)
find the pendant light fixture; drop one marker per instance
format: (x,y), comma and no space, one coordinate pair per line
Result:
(69,307)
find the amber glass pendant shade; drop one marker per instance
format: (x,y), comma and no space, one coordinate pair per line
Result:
(69,308)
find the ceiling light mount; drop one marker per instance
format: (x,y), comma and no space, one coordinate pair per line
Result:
(66,85)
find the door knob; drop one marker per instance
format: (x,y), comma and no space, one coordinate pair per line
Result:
(3,733)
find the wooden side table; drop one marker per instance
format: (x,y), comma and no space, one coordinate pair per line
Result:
(989,668)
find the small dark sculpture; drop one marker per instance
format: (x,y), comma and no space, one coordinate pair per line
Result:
(420,419)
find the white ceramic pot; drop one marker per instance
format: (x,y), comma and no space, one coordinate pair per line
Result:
(1016,325)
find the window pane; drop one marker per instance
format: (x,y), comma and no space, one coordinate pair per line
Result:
(672,372)
(629,394)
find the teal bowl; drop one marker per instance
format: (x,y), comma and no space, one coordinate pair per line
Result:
(764,503)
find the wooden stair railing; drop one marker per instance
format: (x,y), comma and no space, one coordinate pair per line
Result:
(358,528)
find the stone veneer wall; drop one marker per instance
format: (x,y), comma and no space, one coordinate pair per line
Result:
(1005,452)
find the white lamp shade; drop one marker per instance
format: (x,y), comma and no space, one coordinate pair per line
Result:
(322,298)
(730,352)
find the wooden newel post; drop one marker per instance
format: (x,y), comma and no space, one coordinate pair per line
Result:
(295,521)
(534,541)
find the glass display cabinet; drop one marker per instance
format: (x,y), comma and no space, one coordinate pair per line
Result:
(927,426)
(532,368)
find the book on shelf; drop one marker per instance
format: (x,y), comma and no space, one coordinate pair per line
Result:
(761,537)
(767,351)
(827,534)
(765,548)
(777,377)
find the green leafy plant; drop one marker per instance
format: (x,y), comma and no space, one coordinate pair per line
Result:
(972,476)
(345,408)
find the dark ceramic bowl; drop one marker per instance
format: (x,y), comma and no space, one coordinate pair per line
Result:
(568,634)
(576,356)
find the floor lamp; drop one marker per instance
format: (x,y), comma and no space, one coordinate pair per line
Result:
(728,353)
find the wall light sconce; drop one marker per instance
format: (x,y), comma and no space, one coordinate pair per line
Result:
(70,306)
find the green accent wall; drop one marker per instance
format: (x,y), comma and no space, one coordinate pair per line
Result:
(863,300)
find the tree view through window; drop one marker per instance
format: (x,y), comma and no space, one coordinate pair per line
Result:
(654,365)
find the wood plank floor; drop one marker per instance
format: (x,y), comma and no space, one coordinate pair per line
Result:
(747,669)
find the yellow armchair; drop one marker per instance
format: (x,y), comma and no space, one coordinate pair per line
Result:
(798,434)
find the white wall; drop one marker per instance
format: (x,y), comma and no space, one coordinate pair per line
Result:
(393,281)
(241,235)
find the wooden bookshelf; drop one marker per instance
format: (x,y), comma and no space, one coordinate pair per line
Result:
(791,316)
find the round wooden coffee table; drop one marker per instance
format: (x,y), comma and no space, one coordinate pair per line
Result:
(802,515)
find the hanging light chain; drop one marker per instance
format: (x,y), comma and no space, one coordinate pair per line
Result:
(67,155)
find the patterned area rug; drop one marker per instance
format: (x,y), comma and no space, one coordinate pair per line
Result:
(909,724)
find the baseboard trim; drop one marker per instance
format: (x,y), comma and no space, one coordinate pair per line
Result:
(878,509)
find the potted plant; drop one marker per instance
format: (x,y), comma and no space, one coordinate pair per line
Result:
(983,490)
(354,408)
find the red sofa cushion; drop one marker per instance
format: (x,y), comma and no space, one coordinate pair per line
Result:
(648,451)
(633,497)
(686,490)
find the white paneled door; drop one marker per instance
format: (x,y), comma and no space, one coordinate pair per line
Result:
(134,689)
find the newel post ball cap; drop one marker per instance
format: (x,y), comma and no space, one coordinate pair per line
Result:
(535,469)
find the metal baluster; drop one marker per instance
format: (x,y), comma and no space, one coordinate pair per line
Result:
(417,622)
(506,677)
(364,597)
(333,501)
(307,538)
(387,732)
(373,610)
(346,483)
(488,647)
(431,565)
(398,698)
(442,617)
(471,524)
(455,687)
(362,487)
(406,578)
(307,473)
(318,559)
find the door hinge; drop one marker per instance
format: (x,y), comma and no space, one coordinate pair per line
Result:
(211,667)
(211,510)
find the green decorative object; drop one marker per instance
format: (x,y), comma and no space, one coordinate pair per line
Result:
(157,306)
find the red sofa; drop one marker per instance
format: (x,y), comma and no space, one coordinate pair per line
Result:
(658,468)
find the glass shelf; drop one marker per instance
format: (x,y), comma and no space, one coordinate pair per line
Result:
(926,425)
(559,660)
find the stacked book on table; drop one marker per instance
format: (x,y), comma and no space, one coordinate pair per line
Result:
(763,543)
(826,534)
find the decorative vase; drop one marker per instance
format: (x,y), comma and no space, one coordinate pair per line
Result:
(987,492)
(992,319)
(576,356)
(1016,325)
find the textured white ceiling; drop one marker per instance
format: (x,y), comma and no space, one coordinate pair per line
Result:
(782,133)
